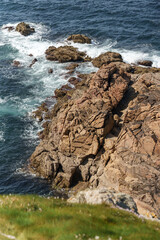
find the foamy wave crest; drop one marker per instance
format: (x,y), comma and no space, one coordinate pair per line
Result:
(95,49)
(2,100)
(129,56)
(30,133)
(2,136)
(32,44)
(135,56)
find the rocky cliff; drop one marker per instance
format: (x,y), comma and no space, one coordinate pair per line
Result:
(105,132)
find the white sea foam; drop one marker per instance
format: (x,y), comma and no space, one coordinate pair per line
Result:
(2,100)
(1,136)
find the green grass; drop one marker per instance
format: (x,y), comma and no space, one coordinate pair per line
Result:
(33,217)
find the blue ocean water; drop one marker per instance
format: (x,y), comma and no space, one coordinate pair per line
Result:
(129,27)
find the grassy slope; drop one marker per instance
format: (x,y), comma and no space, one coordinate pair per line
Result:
(33,217)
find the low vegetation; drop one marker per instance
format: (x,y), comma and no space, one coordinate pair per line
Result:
(34,217)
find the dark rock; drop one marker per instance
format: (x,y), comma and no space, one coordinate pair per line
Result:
(24,29)
(30,55)
(10,28)
(79,38)
(107,58)
(146,63)
(33,62)
(64,54)
(50,70)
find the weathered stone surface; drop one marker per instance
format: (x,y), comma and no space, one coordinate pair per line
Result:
(134,162)
(74,80)
(104,195)
(64,54)
(106,134)
(24,29)
(107,58)
(146,63)
(79,38)
(79,126)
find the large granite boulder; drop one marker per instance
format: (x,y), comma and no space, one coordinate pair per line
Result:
(106,58)
(78,128)
(64,54)
(24,29)
(79,38)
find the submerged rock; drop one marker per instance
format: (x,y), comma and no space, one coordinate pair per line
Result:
(79,38)
(64,54)
(107,58)
(24,29)
(10,28)
(16,63)
(50,70)
(33,62)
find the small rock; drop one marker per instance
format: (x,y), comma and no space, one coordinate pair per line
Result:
(33,62)
(50,70)
(10,28)
(79,38)
(16,63)
(146,63)
(24,29)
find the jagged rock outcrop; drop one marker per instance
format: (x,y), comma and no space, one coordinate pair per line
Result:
(78,128)
(24,29)
(107,58)
(134,156)
(64,54)
(79,38)
(106,133)
(106,196)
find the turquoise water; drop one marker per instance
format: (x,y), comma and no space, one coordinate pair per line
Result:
(129,27)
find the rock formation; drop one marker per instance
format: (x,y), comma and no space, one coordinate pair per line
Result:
(105,133)
(79,38)
(64,54)
(24,29)
(78,129)
(134,160)
(107,58)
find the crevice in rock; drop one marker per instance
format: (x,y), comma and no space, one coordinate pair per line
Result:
(76,177)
